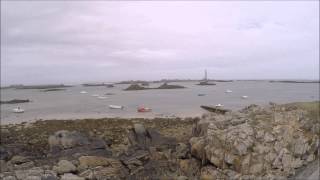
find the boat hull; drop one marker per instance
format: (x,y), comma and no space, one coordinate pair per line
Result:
(115,107)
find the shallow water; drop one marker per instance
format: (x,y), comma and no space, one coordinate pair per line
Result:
(71,104)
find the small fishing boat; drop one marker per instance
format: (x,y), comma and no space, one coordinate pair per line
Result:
(144,109)
(244,97)
(95,95)
(83,92)
(116,107)
(219,105)
(228,91)
(201,94)
(18,110)
(102,97)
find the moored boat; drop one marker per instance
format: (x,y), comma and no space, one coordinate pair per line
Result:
(219,105)
(102,97)
(144,109)
(244,97)
(228,91)
(18,110)
(83,92)
(116,107)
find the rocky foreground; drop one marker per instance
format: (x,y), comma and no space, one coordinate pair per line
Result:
(273,142)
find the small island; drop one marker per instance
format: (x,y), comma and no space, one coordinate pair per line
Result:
(54,86)
(15,101)
(206,83)
(52,89)
(132,82)
(135,87)
(168,86)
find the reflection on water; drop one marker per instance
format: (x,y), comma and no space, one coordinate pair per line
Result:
(71,104)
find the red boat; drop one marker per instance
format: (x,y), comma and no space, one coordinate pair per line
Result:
(144,109)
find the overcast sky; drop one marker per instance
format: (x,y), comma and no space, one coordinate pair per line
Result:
(74,42)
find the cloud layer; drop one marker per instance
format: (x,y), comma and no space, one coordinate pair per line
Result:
(71,42)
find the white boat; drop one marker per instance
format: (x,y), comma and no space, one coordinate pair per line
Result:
(102,97)
(219,105)
(115,107)
(18,110)
(95,95)
(228,91)
(83,92)
(244,97)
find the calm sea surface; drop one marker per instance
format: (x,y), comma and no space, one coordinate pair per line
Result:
(71,104)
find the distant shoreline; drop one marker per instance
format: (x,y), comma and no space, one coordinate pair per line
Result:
(273,81)
(46,86)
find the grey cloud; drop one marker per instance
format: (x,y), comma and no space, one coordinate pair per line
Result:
(109,41)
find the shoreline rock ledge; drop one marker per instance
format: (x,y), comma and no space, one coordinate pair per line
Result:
(273,142)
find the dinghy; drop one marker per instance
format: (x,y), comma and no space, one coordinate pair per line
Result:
(115,107)
(18,110)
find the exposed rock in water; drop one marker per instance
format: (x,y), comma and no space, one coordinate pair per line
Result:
(215,109)
(15,101)
(163,86)
(169,86)
(206,83)
(134,87)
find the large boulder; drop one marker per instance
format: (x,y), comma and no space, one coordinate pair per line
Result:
(190,167)
(211,173)
(33,172)
(9,178)
(103,167)
(254,142)
(116,171)
(64,166)
(94,161)
(19,159)
(4,153)
(182,150)
(66,139)
(144,138)
(69,176)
